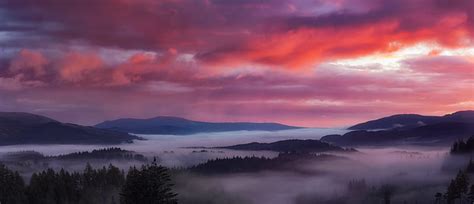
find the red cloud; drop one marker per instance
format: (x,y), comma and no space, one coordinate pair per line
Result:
(307,45)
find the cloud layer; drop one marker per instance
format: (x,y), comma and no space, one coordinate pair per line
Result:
(85,61)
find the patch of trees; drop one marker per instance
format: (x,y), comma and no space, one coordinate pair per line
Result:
(358,191)
(149,184)
(106,153)
(233,165)
(463,147)
(461,151)
(284,161)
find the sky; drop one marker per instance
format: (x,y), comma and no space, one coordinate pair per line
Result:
(316,63)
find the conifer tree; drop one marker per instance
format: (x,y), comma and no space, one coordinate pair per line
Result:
(458,188)
(148,185)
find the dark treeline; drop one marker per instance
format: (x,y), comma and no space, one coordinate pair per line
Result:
(284,161)
(113,153)
(149,184)
(463,147)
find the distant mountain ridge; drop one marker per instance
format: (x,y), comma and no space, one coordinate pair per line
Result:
(27,128)
(406,121)
(181,126)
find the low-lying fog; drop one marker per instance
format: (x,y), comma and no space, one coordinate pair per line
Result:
(172,151)
(415,176)
(414,172)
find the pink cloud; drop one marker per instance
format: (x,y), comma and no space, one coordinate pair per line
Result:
(458,66)
(75,68)
(239,32)
(232,59)
(29,63)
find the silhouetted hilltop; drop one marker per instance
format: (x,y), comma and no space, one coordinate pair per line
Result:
(288,146)
(26,128)
(181,126)
(283,162)
(407,121)
(435,134)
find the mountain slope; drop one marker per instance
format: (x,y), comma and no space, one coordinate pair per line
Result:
(181,126)
(435,134)
(26,128)
(288,146)
(407,121)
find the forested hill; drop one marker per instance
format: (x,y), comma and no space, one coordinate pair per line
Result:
(407,121)
(283,162)
(439,134)
(289,146)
